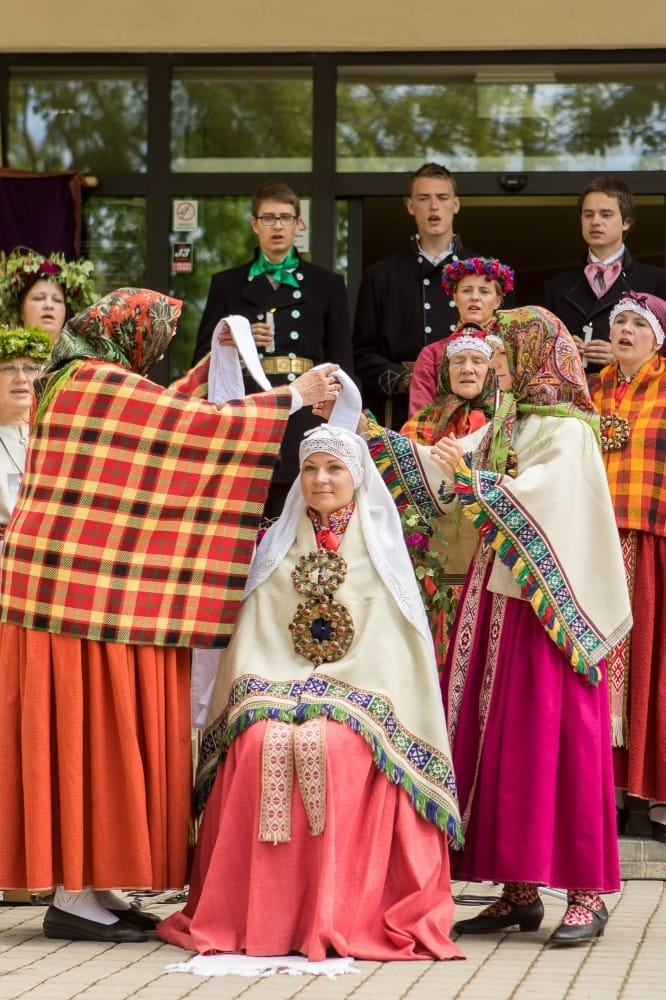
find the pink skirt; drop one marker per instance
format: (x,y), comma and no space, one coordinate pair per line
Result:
(374,885)
(531,744)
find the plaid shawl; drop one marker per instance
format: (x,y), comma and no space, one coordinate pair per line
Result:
(139,510)
(636,473)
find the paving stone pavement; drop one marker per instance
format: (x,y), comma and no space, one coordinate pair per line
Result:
(629,962)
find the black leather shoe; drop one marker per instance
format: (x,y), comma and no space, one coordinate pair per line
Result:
(658,829)
(69,927)
(622,818)
(527,917)
(581,933)
(136,917)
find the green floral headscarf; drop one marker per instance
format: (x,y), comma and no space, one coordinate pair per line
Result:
(548,379)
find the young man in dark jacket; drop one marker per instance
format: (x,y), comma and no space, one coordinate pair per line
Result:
(584,296)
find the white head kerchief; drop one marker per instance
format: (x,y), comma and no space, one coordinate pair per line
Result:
(225,376)
(337,442)
(380,521)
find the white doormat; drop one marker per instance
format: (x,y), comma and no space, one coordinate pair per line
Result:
(249,965)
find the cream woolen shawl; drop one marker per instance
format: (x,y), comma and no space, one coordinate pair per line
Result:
(554,533)
(385,687)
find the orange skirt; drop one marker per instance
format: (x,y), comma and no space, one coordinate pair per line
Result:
(95,752)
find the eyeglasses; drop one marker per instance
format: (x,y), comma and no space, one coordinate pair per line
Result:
(11,371)
(272,220)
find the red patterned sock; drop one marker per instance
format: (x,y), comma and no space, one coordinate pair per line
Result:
(579,905)
(513,894)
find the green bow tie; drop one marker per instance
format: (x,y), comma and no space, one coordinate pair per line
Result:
(282,273)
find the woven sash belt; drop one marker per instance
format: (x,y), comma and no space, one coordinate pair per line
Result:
(286,744)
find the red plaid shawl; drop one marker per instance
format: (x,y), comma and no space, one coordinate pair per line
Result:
(636,473)
(139,511)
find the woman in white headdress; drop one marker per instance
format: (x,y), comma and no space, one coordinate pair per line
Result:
(330,796)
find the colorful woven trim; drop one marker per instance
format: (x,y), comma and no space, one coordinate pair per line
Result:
(393,456)
(417,767)
(509,531)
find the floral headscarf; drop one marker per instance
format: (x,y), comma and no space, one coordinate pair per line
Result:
(131,327)
(548,378)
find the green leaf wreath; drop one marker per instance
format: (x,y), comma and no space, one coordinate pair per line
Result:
(426,546)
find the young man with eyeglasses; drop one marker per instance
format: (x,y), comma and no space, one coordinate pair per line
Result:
(298,313)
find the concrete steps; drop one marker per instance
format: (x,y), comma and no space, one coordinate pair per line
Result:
(640,855)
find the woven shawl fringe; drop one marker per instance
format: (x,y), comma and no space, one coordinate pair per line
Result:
(520,570)
(424,805)
(618,731)
(53,385)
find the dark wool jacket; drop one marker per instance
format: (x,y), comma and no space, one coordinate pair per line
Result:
(570,297)
(311,321)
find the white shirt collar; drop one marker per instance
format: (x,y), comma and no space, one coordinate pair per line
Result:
(609,260)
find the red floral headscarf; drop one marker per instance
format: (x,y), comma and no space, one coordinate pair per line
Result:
(131,327)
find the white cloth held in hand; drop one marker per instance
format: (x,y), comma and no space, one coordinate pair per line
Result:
(225,376)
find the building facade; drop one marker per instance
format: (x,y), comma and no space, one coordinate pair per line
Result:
(177,114)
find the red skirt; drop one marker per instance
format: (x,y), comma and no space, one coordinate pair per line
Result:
(641,769)
(96,762)
(374,885)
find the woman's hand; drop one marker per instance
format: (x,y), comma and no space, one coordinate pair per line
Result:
(446,454)
(598,352)
(318,385)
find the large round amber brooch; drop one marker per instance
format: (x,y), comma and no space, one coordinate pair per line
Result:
(319,573)
(615,432)
(322,629)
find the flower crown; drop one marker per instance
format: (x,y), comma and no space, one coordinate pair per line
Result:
(23,266)
(491,269)
(24,342)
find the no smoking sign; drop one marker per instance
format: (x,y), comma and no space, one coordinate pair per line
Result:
(185,215)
